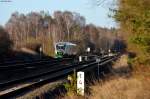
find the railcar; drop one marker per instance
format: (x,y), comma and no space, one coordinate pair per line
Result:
(65,49)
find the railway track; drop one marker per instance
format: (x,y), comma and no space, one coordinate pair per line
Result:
(34,67)
(10,62)
(56,72)
(23,64)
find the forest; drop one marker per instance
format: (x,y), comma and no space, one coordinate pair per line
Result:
(41,28)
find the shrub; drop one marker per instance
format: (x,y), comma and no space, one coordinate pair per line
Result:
(5,42)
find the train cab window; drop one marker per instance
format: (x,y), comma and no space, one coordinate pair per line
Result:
(62,47)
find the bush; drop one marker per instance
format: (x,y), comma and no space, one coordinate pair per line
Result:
(5,42)
(71,87)
(134,19)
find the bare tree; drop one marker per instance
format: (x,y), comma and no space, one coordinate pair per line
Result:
(68,18)
(41,28)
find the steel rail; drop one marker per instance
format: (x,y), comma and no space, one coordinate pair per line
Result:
(31,63)
(57,73)
(24,67)
(9,62)
(46,66)
(54,69)
(54,74)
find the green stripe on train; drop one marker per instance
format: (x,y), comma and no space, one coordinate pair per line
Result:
(59,55)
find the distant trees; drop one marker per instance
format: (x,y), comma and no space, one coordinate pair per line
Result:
(41,28)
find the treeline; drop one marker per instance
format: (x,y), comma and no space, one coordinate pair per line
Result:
(134,19)
(42,28)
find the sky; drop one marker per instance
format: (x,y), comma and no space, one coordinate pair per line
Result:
(97,15)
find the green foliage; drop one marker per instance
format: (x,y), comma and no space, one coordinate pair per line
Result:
(130,60)
(134,19)
(71,87)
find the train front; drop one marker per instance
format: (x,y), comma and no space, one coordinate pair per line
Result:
(59,50)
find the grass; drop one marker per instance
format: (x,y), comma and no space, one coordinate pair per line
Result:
(121,88)
(118,88)
(122,85)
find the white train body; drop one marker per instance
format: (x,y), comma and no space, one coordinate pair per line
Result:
(65,48)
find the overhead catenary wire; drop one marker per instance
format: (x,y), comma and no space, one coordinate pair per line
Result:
(100,2)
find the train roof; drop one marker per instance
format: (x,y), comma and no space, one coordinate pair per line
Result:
(67,43)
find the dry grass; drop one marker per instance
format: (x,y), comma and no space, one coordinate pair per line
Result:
(121,62)
(121,66)
(120,87)
(72,96)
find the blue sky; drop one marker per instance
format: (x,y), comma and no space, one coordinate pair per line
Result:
(97,15)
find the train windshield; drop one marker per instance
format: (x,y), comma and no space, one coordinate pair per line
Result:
(62,47)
